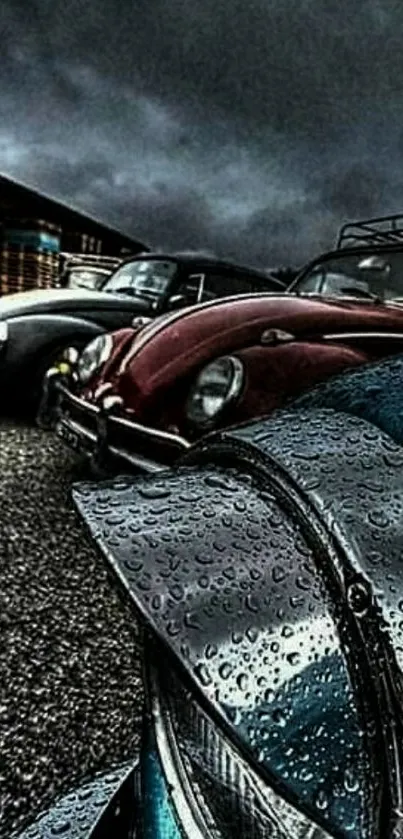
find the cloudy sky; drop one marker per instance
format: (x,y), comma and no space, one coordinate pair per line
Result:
(251,128)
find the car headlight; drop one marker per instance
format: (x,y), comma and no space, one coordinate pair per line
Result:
(3,332)
(218,385)
(93,356)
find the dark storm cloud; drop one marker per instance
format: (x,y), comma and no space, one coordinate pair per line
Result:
(252,129)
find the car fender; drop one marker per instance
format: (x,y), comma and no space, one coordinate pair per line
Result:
(270,550)
(31,338)
(105,803)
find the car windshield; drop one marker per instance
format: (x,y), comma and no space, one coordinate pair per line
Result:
(364,275)
(86,278)
(142,278)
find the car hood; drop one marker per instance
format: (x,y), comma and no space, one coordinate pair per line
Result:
(176,345)
(230,583)
(54,300)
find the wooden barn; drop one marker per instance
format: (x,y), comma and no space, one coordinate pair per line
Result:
(35,230)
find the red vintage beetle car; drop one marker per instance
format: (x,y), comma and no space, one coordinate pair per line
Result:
(143,395)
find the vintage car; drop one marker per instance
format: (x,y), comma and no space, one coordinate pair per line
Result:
(35,326)
(367,263)
(86,270)
(265,570)
(141,396)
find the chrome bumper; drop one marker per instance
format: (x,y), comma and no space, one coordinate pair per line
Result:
(99,433)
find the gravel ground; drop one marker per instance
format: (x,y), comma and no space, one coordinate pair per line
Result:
(70,691)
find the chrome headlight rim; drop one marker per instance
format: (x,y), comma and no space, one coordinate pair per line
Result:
(235,386)
(93,356)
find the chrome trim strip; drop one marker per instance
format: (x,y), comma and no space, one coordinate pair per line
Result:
(152,433)
(133,458)
(396,336)
(137,460)
(77,428)
(190,818)
(76,400)
(140,462)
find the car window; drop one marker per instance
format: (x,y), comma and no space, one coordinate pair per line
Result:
(224,285)
(192,288)
(143,278)
(86,278)
(362,273)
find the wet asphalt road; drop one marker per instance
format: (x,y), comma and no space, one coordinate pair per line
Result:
(70,690)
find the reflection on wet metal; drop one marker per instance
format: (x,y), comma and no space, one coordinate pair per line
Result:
(268,645)
(76,815)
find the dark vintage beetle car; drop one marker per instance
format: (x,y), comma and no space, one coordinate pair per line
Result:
(145,395)
(266,571)
(367,263)
(36,326)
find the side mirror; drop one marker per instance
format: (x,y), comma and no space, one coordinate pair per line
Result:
(176,301)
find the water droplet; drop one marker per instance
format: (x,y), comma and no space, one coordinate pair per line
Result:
(156,602)
(278,574)
(242,681)
(134,564)
(190,621)
(173,628)
(279,717)
(306,774)
(61,827)
(203,674)
(177,592)
(321,800)
(251,603)
(358,598)
(293,658)
(269,695)
(225,670)
(303,583)
(351,782)
(296,601)
(154,492)
(219,482)
(379,518)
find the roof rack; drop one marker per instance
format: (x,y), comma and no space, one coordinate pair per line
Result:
(375,231)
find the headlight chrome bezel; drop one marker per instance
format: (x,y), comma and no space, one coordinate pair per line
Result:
(98,352)
(234,384)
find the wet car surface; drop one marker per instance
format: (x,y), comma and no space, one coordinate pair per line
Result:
(275,588)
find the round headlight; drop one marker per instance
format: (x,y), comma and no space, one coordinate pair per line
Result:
(93,356)
(218,385)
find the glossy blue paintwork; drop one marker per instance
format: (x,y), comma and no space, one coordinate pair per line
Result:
(373,392)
